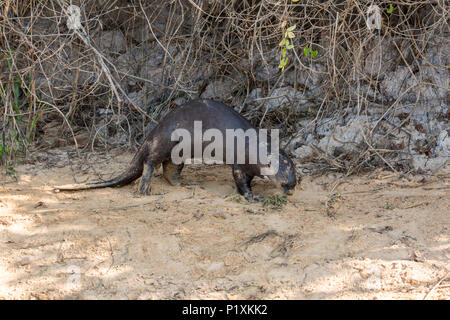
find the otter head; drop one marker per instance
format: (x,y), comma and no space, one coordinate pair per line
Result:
(284,178)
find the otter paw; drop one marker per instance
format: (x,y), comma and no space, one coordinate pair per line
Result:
(250,197)
(258,198)
(144,189)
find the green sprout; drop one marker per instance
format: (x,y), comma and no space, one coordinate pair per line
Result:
(276,200)
(391,9)
(308,51)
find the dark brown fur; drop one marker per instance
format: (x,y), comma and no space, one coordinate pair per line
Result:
(157,148)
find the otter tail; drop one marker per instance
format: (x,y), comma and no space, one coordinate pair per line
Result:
(134,171)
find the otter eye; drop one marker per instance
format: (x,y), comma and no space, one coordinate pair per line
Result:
(287,186)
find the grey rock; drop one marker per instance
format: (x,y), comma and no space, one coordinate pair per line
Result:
(138,98)
(381,58)
(443,144)
(111,42)
(266,64)
(439,77)
(180,101)
(303,152)
(431,80)
(285,96)
(218,89)
(422,162)
(399,84)
(142,33)
(346,137)
(310,77)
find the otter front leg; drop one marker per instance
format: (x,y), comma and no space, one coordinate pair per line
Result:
(243,184)
(144,185)
(171,172)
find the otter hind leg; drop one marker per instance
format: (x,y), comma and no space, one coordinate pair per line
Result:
(171,172)
(144,185)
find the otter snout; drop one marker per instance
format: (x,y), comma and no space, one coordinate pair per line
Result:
(289,192)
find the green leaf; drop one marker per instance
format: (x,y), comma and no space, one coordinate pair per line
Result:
(292,27)
(391,9)
(289,47)
(283,63)
(306,51)
(314,53)
(290,34)
(283,42)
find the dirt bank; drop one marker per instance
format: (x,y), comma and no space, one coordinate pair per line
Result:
(373,236)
